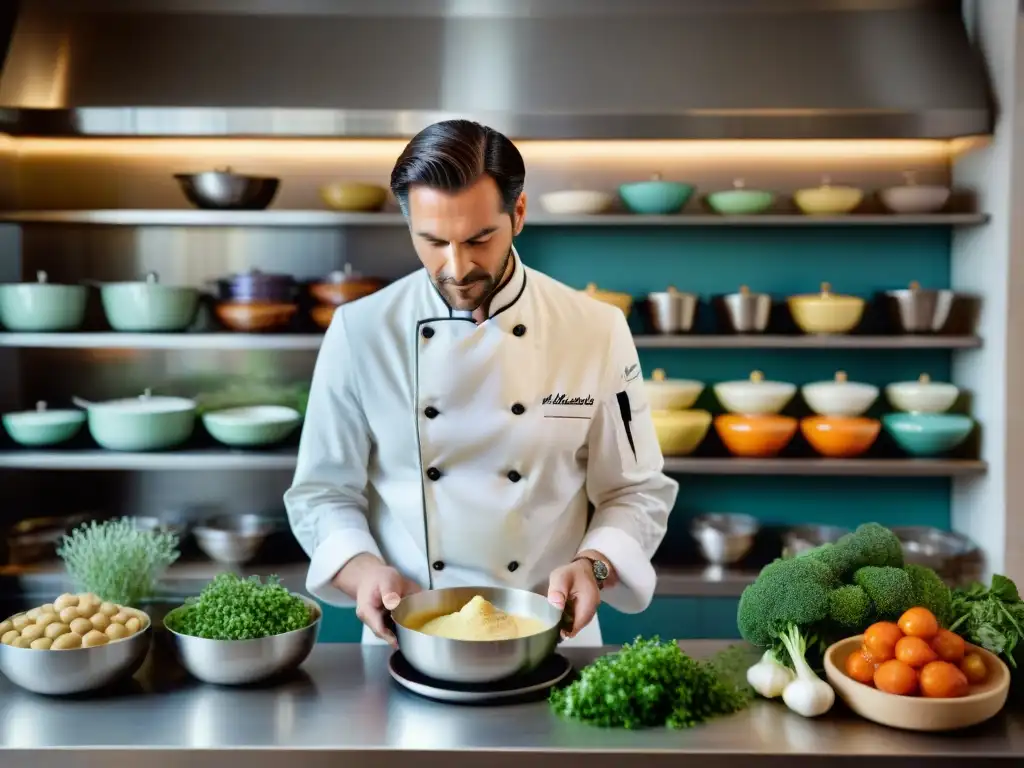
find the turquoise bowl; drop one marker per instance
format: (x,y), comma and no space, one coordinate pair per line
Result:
(251,426)
(655,197)
(38,307)
(928,434)
(42,427)
(740,202)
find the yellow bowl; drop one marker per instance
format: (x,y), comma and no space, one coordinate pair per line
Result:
(353,196)
(913,713)
(826,312)
(621,300)
(680,432)
(827,200)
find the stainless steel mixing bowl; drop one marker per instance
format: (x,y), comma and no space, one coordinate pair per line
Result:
(470,661)
(238,662)
(233,539)
(79,670)
(224,190)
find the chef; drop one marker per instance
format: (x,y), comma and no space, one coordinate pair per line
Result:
(477,423)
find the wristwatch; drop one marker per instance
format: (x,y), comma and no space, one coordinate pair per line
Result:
(600,569)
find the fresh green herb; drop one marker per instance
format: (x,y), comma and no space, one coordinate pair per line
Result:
(650,683)
(116,561)
(231,608)
(992,618)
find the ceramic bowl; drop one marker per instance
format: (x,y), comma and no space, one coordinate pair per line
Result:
(655,196)
(839,397)
(353,196)
(915,713)
(826,312)
(922,396)
(680,433)
(754,396)
(671,394)
(755,437)
(928,434)
(344,285)
(42,306)
(144,423)
(576,202)
(255,317)
(840,437)
(621,300)
(251,426)
(43,426)
(828,200)
(740,201)
(148,306)
(912,197)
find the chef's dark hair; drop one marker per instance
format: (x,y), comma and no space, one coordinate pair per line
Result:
(452,155)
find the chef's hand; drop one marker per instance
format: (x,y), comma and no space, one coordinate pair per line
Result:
(574,584)
(377,589)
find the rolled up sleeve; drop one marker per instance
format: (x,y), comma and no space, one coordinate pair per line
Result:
(327,503)
(631,495)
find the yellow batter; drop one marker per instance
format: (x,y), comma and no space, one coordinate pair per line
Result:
(481,620)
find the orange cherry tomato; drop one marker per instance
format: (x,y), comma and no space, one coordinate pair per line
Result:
(949,646)
(880,639)
(860,667)
(919,622)
(973,667)
(915,652)
(896,677)
(942,680)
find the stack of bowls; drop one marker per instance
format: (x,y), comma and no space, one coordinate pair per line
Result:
(680,430)
(621,300)
(42,306)
(149,306)
(743,311)
(337,288)
(256,301)
(672,311)
(754,428)
(826,313)
(924,428)
(840,430)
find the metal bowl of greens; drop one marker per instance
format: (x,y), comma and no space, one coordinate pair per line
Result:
(241,631)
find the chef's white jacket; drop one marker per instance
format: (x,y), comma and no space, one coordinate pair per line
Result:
(466,454)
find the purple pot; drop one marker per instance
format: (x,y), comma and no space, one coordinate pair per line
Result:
(253,286)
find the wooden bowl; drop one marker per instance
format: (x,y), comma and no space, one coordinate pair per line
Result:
(322,315)
(255,316)
(913,713)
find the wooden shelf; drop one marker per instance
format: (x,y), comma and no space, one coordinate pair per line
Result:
(827,467)
(191,217)
(763,341)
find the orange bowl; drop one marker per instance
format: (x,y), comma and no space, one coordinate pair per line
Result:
(840,437)
(761,436)
(257,316)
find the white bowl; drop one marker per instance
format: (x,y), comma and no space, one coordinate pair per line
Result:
(671,394)
(914,198)
(839,397)
(755,396)
(575,202)
(922,396)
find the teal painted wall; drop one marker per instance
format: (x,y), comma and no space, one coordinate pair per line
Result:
(781,261)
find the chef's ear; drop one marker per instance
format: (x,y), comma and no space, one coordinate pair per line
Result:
(519,214)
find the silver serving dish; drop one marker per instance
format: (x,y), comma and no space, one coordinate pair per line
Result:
(920,310)
(467,661)
(233,539)
(79,670)
(224,190)
(240,662)
(743,311)
(801,538)
(672,311)
(939,550)
(724,539)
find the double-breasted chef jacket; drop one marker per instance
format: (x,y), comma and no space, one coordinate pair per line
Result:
(465,454)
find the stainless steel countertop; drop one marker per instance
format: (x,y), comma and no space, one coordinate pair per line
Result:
(343,706)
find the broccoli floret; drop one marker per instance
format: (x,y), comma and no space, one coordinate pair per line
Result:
(850,607)
(836,559)
(889,589)
(793,591)
(931,592)
(873,544)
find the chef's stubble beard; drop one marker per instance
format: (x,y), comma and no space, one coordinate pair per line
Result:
(491,286)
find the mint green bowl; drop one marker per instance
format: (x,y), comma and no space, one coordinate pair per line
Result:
(928,434)
(252,425)
(43,427)
(655,197)
(42,306)
(740,202)
(149,306)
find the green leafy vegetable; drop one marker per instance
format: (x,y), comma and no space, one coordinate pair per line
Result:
(889,589)
(931,592)
(231,608)
(992,618)
(116,561)
(651,683)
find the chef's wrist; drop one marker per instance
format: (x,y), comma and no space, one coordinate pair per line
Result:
(354,571)
(589,556)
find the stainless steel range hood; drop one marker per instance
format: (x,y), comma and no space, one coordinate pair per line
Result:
(544,69)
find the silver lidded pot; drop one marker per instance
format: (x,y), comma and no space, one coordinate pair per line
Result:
(743,311)
(222,189)
(921,310)
(672,311)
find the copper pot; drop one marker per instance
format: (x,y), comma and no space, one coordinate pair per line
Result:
(343,286)
(255,317)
